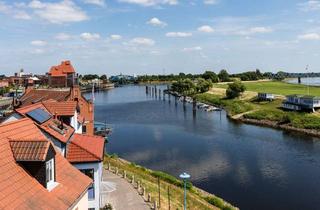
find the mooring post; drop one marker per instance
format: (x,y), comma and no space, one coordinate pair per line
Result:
(155,205)
(147,90)
(149,197)
(143,191)
(132,180)
(164,95)
(175,100)
(155,90)
(124,174)
(109,166)
(117,170)
(159,93)
(194,103)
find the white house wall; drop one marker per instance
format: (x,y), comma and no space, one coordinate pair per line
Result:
(82,203)
(97,167)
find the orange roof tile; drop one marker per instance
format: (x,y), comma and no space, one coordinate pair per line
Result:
(63,108)
(19,190)
(51,126)
(61,70)
(85,148)
(38,95)
(30,150)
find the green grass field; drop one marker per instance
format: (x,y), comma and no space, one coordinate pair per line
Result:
(280,88)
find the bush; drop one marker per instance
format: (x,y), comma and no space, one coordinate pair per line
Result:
(218,202)
(235,89)
(107,207)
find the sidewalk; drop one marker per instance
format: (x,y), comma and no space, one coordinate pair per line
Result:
(120,193)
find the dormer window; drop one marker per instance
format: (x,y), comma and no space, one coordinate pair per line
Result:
(37,157)
(50,173)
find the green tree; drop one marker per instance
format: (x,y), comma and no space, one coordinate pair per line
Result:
(103,77)
(211,75)
(203,85)
(184,87)
(224,76)
(235,89)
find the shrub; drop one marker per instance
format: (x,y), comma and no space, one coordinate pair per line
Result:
(235,89)
(171,179)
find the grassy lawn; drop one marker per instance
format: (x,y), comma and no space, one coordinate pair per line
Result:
(196,199)
(280,88)
(233,107)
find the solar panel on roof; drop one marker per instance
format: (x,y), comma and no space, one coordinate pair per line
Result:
(39,115)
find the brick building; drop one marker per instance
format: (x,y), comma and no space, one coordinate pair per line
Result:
(62,75)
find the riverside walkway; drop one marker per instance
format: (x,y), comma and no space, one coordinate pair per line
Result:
(120,193)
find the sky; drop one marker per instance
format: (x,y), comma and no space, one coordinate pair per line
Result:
(160,36)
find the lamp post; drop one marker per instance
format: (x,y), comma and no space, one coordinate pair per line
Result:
(184,176)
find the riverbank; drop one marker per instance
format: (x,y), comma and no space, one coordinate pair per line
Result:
(269,114)
(197,198)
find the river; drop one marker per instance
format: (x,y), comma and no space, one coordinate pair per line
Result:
(315,81)
(250,166)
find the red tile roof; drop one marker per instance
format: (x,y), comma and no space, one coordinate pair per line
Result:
(61,70)
(63,108)
(38,95)
(51,126)
(85,148)
(19,190)
(29,150)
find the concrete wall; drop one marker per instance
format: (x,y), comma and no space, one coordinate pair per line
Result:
(97,167)
(82,203)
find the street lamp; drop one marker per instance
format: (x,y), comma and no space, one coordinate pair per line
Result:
(184,176)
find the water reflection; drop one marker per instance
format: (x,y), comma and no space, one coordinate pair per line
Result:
(250,166)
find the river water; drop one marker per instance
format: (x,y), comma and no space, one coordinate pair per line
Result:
(315,81)
(250,166)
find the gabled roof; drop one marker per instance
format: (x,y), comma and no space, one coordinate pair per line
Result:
(38,95)
(85,148)
(29,150)
(19,190)
(62,108)
(51,126)
(61,70)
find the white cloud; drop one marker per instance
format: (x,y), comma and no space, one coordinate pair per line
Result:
(148,3)
(89,36)
(211,2)
(178,34)
(115,37)
(310,36)
(206,29)
(38,43)
(63,37)
(142,41)
(156,22)
(59,12)
(311,5)
(95,2)
(13,11)
(190,49)
(255,30)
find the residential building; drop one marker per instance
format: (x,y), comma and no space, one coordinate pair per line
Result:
(62,75)
(85,152)
(301,102)
(34,175)
(265,96)
(4,83)
(72,93)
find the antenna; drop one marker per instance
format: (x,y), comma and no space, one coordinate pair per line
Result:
(308,88)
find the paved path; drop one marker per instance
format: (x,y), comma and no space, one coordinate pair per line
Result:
(120,193)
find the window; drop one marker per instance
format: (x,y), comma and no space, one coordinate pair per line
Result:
(90,173)
(84,129)
(50,172)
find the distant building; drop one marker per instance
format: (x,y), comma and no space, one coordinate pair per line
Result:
(301,102)
(265,96)
(4,83)
(62,75)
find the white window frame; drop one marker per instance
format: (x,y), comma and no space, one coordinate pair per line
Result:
(50,173)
